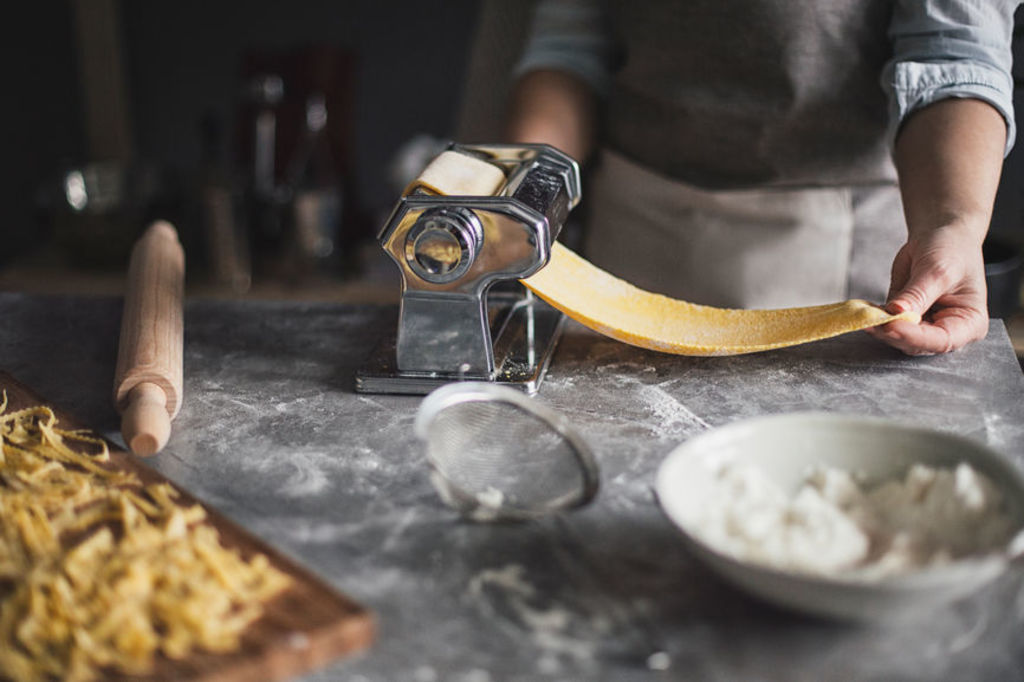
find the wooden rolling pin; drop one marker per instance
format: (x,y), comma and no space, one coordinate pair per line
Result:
(148,379)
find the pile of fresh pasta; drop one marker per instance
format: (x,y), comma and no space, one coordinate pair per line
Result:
(101,573)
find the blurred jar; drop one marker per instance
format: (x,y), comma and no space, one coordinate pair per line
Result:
(266,200)
(317,198)
(98,209)
(225,242)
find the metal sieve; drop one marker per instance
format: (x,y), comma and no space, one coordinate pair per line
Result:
(499,455)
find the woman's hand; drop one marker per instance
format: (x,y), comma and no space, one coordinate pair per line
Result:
(940,276)
(949,156)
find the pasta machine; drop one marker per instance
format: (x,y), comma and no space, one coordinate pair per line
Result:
(463,314)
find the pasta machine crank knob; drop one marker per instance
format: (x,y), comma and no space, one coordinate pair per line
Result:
(442,244)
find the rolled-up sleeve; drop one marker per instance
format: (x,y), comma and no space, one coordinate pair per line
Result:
(570,36)
(951,48)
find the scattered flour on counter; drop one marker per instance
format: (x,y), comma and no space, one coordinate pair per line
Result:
(491,497)
(548,625)
(833,524)
(487,505)
(673,417)
(307,477)
(424,673)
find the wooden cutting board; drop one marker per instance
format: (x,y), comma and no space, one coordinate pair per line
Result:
(302,629)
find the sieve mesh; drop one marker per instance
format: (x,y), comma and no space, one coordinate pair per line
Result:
(501,452)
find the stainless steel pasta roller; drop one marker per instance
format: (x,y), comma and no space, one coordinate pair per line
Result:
(464,315)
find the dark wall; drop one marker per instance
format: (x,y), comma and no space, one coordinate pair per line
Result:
(41,113)
(183,59)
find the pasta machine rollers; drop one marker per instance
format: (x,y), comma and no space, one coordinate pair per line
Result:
(464,315)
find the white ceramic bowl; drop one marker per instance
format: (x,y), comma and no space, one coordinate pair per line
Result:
(785,448)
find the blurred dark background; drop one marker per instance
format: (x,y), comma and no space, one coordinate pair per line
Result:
(138,109)
(165,92)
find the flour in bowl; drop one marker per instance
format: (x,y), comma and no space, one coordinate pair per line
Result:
(834,524)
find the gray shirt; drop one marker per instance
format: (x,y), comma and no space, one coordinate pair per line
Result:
(774,92)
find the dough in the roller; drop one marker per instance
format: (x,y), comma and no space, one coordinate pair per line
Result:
(620,310)
(458,175)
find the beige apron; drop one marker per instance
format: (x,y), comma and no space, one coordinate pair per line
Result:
(746,248)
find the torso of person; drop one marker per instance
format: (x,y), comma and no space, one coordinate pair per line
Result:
(751,93)
(747,161)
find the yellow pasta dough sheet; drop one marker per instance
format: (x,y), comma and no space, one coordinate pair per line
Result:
(457,174)
(622,311)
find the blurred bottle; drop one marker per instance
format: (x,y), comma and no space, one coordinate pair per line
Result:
(317,200)
(226,247)
(266,200)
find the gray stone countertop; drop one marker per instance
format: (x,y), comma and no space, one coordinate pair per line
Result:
(272,434)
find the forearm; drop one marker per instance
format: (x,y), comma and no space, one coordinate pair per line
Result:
(555,108)
(949,156)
